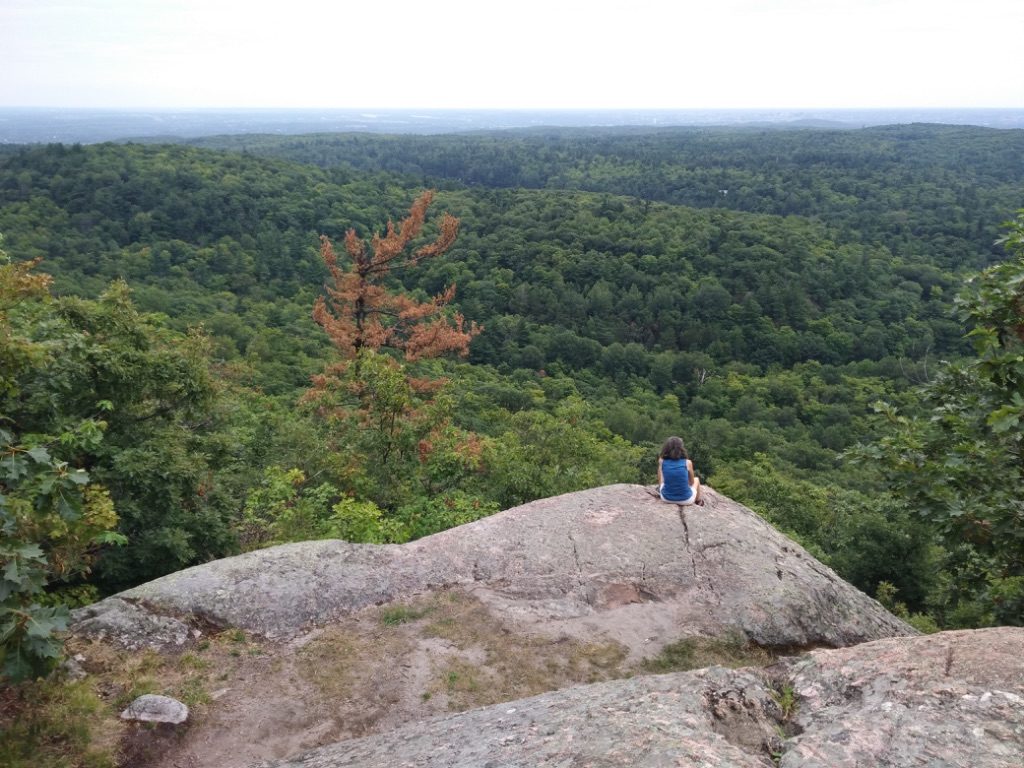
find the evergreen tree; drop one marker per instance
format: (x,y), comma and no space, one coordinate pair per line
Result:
(383,414)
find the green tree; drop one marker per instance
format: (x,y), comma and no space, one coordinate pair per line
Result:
(53,515)
(102,365)
(960,463)
(284,507)
(546,454)
(867,538)
(165,452)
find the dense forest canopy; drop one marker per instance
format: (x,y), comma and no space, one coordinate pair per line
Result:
(627,296)
(240,226)
(757,291)
(932,191)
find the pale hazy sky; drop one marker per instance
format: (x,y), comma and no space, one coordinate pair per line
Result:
(515,54)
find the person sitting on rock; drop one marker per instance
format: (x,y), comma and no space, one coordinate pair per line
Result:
(677,482)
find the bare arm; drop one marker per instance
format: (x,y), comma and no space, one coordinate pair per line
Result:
(661,479)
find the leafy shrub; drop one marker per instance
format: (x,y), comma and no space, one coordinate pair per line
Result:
(364,522)
(52,515)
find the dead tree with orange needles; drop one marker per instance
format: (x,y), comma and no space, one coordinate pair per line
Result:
(359,313)
(380,412)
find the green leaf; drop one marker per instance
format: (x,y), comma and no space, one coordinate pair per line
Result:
(69,508)
(46,487)
(31,552)
(110,537)
(17,666)
(45,620)
(39,454)
(30,647)
(1004,419)
(79,477)
(13,468)
(8,624)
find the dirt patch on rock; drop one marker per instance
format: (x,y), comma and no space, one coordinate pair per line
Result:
(369,673)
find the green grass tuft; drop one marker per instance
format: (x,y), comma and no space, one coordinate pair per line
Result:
(53,724)
(401,614)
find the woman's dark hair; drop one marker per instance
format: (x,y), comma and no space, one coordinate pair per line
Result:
(674,449)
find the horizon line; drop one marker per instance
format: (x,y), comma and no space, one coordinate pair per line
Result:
(510,109)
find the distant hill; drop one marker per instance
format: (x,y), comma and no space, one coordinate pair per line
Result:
(827,248)
(936,192)
(42,125)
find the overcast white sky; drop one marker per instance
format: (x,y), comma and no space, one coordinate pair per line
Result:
(515,54)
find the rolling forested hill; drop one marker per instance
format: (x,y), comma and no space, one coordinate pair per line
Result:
(926,190)
(753,290)
(629,296)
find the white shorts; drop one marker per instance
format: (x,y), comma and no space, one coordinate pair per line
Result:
(687,503)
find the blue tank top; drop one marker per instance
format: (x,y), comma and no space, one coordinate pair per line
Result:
(677,480)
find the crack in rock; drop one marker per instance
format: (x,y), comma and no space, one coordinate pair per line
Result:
(576,557)
(686,533)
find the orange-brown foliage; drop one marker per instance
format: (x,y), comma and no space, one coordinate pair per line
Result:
(359,313)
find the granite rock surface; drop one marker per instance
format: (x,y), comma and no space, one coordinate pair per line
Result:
(945,700)
(556,564)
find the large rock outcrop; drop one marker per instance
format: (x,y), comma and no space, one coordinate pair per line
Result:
(952,699)
(558,564)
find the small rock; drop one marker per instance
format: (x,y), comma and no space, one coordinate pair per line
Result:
(72,668)
(151,708)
